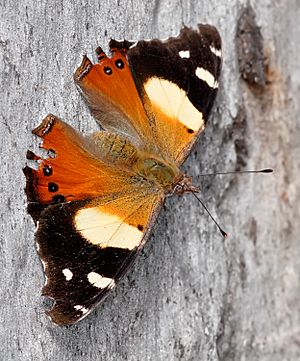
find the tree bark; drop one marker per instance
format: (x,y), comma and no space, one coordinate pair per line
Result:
(191,295)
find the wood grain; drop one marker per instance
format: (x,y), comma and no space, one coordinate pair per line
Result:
(190,296)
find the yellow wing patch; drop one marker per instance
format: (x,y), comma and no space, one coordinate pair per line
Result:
(174,102)
(119,223)
(103,229)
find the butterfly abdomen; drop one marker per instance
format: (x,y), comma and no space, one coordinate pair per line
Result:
(115,149)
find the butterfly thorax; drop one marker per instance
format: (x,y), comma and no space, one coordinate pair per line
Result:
(119,151)
(165,175)
(158,171)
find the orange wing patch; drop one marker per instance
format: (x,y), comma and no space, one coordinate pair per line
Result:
(108,88)
(74,173)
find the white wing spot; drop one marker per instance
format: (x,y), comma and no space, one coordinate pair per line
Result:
(45,270)
(133,45)
(99,281)
(207,77)
(81,308)
(184,54)
(174,102)
(217,52)
(67,273)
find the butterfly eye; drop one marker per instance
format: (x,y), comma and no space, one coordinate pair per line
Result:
(150,163)
(119,64)
(107,70)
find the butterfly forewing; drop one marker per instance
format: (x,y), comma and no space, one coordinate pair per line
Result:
(164,89)
(87,247)
(178,82)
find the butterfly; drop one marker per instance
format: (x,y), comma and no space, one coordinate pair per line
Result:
(95,197)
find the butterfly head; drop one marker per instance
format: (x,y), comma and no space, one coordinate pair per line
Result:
(183,185)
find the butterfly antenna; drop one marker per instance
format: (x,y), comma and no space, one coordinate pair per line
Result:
(266,170)
(224,234)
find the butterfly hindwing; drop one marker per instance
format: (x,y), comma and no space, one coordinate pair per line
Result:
(93,217)
(77,168)
(111,94)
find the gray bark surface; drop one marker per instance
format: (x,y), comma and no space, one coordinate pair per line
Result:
(190,295)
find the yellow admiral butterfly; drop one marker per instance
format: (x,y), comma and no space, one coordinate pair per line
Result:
(96,197)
